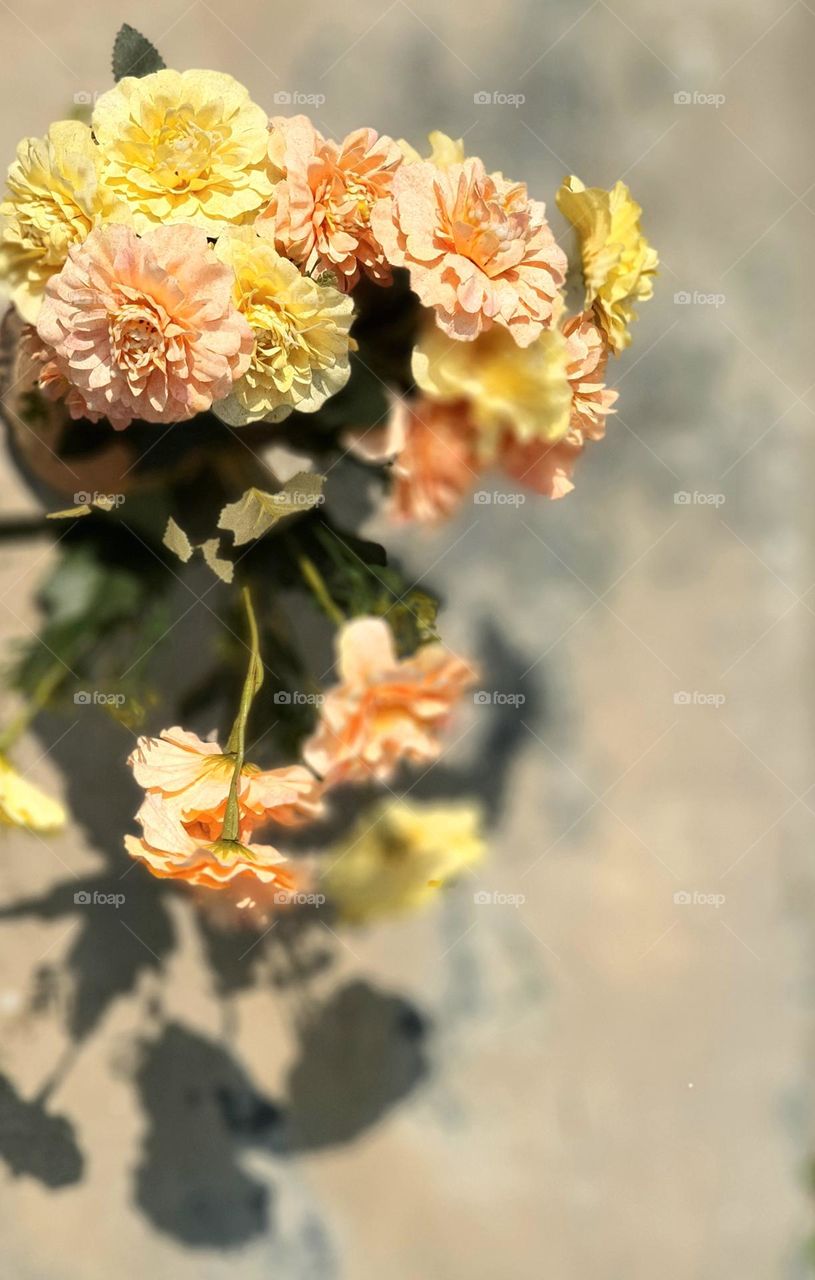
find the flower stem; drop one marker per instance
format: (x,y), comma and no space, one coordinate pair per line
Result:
(316,581)
(237,739)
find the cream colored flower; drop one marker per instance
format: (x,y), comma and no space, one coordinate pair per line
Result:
(444,150)
(300,327)
(184,146)
(618,262)
(505,386)
(400,855)
(54,199)
(24,805)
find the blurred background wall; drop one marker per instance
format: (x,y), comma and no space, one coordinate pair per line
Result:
(616,1075)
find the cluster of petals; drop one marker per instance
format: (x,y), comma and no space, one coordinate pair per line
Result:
(618,262)
(54,199)
(385,710)
(477,248)
(324,195)
(145,326)
(187,783)
(184,146)
(300,328)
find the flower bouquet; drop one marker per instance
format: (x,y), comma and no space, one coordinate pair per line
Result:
(215,316)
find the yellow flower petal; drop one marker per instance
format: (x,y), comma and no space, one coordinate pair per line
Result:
(185,146)
(301,328)
(54,199)
(618,262)
(505,386)
(24,805)
(401,855)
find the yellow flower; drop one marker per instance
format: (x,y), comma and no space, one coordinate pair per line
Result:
(618,262)
(300,327)
(184,146)
(400,855)
(506,386)
(53,201)
(24,805)
(444,150)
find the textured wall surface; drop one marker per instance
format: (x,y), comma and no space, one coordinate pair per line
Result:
(613,1079)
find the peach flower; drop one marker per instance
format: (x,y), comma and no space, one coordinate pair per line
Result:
(145,327)
(187,783)
(385,709)
(478,249)
(321,205)
(438,462)
(193,778)
(432,448)
(548,468)
(174,850)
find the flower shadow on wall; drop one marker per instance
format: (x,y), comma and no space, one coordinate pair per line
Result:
(358,1051)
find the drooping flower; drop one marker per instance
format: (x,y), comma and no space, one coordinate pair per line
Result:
(321,204)
(618,262)
(193,777)
(438,462)
(300,328)
(400,855)
(54,198)
(477,248)
(506,387)
(187,783)
(444,150)
(184,146)
(175,850)
(144,326)
(548,468)
(385,710)
(24,805)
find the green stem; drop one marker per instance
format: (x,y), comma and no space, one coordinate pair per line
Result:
(315,580)
(46,686)
(236,744)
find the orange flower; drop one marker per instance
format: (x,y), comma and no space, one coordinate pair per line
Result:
(321,205)
(187,782)
(432,447)
(437,463)
(175,850)
(384,710)
(477,248)
(548,468)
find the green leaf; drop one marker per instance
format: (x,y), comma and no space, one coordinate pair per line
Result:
(256,512)
(134,55)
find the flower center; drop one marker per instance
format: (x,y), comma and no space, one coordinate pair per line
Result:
(136,339)
(183,150)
